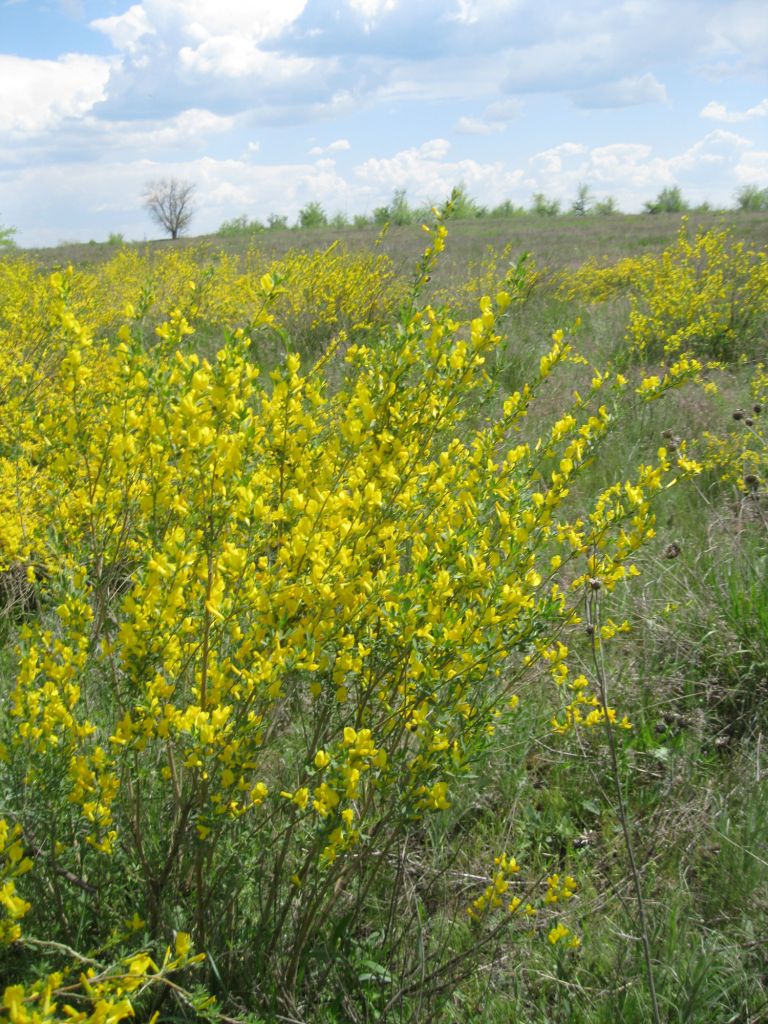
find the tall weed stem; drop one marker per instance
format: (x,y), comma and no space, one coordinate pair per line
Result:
(593,629)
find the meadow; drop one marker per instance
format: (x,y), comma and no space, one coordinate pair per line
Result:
(384,625)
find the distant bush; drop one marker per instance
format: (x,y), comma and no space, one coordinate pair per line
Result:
(543,206)
(239,226)
(461,206)
(397,212)
(6,237)
(507,209)
(669,200)
(605,207)
(583,202)
(312,216)
(115,238)
(751,198)
(277,222)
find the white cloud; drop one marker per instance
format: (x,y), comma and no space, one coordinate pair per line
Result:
(752,168)
(470,12)
(716,147)
(628,164)
(208,37)
(715,111)
(626,92)
(372,9)
(633,172)
(474,126)
(233,56)
(125,30)
(496,118)
(184,129)
(37,94)
(339,146)
(427,176)
(738,35)
(502,111)
(550,161)
(200,20)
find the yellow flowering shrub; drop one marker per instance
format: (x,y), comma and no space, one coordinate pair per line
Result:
(707,296)
(594,283)
(312,295)
(494,271)
(94,992)
(278,622)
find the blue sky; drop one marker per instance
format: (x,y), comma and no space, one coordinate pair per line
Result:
(266,105)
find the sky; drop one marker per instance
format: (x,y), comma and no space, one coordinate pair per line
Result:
(267,105)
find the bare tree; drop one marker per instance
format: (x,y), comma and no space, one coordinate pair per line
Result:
(169,202)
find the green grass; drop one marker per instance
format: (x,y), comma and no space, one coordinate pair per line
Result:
(556,242)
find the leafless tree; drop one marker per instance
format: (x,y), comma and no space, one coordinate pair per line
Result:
(169,202)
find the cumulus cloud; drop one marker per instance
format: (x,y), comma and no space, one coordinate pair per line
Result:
(200,20)
(752,168)
(232,56)
(715,111)
(425,173)
(634,172)
(716,147)
(550,161)
(38,94)
(184,129)
(101,140)
(626,167)
(126,30)
(207,38)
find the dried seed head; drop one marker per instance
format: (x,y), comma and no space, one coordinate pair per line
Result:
(672,550)
(667,433)
(757,408)
(595,584)
(590,629)
(749,421)
(752,480)
(738,415)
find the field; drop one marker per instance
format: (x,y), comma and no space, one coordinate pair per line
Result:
(384,625)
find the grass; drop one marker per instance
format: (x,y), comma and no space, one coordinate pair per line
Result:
(556,242)
(693,678)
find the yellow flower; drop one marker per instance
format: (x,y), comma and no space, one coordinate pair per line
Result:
(557,933)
